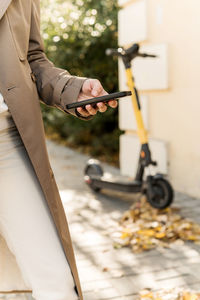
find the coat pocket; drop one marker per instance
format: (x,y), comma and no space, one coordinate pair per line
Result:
(19,18)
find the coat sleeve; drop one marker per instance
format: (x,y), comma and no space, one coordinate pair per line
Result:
(56,87)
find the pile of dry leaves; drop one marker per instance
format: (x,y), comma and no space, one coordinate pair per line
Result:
(143,227)
(173,294)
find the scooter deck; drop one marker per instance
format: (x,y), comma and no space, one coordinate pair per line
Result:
(116,183)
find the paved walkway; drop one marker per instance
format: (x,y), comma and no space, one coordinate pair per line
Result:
(105,272)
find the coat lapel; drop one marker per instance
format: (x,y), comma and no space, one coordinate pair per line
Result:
(3,7)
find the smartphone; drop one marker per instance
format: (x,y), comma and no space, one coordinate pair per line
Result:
(106,98)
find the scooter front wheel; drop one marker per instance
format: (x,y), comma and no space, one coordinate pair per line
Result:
(160,193)
(93,168)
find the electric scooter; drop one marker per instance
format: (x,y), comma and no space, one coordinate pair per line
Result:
(157,189)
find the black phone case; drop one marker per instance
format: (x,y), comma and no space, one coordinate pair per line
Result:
(99,99)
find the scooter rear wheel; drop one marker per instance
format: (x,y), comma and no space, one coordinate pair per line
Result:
(93,168)
(161,194)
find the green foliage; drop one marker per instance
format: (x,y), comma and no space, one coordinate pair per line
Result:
(76,34)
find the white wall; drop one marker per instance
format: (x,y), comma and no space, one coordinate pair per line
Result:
(170,86)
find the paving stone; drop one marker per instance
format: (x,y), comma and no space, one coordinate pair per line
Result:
(96,285)
(123,285)
(183,280)
(18,296)
(107,293)
(90,215)
(195,286)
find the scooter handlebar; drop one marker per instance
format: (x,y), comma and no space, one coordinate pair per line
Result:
(122,52)
(117,52)
(132,52)
(147,55)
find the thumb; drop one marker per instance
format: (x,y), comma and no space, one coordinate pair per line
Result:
(96,88)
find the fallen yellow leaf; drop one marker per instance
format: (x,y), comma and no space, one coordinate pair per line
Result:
(160,235)
(147,232)
(188,296)
(143,227)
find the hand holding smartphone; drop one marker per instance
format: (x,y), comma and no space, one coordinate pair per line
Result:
(93,101)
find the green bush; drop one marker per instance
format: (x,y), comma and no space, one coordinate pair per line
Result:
(76,34)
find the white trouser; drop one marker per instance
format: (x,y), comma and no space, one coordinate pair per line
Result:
(26,223)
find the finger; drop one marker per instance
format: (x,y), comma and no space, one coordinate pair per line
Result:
(113,103)
(83,112)
(102,107)
(90,109)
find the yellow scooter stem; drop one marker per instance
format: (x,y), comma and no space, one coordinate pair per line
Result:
(142,133)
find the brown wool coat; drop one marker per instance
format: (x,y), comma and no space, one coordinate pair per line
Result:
(26,78)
